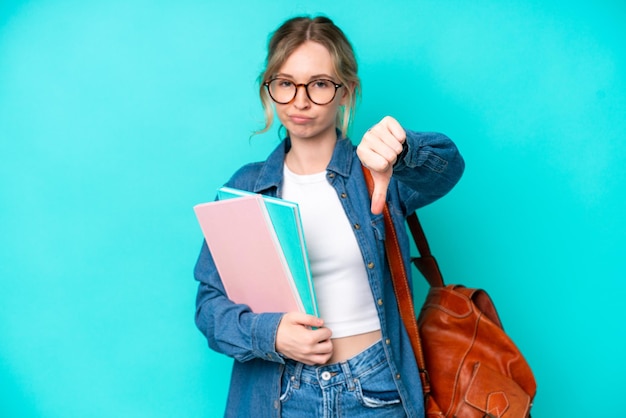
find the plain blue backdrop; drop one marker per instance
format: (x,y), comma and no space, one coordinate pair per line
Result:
(117,116)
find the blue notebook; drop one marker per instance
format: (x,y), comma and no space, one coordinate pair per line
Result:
(285,217)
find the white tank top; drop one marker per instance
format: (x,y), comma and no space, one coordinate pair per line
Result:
(344,297)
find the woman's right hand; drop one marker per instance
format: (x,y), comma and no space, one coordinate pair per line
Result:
(295,339)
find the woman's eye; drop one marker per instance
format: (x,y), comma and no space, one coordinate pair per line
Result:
(284,83)
(321,84)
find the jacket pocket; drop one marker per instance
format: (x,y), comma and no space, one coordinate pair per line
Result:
(378,224)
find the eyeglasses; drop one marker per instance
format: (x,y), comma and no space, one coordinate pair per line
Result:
(284,91)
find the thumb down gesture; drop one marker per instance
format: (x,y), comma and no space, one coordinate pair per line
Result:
(378,151)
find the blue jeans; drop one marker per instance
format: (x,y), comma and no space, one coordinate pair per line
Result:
(362,386)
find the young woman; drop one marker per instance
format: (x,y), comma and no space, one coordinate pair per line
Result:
(355,360)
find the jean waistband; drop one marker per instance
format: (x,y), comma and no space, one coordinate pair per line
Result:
(338,373)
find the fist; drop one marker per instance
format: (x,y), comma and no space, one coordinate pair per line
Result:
(378,151)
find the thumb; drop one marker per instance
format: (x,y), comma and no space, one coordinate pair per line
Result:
(306,320)
(379,195)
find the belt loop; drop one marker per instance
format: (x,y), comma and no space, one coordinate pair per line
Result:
(297,373)
(348,375)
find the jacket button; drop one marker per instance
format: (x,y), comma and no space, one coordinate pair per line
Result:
(344,195)
(357,226)
(380,302)
(370,265)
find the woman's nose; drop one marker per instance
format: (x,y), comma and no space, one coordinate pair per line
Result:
(301,100)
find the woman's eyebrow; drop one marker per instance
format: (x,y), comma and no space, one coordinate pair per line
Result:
(313,77)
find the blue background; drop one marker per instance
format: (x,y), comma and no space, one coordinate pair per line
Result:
(116,117)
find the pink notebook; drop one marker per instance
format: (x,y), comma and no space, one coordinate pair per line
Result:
(247,254)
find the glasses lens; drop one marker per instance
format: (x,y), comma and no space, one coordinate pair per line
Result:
(282,90)
(321,91)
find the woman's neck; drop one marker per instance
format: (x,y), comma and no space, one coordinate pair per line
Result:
(308,156)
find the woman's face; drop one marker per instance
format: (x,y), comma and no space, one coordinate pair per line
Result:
(303,119)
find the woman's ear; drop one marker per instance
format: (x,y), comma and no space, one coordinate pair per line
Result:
(346,93)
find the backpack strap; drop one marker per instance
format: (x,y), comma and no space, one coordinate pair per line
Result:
(401,287)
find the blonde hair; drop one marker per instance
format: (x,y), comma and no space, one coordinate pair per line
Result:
(293,33)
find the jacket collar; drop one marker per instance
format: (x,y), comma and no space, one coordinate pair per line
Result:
(271,174)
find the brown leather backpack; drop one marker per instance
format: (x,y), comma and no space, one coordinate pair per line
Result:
(469,366)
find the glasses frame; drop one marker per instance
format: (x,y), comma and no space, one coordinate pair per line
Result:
(306,90)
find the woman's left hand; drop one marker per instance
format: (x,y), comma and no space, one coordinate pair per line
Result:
(378,151)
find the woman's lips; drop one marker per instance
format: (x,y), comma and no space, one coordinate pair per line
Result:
(300,119)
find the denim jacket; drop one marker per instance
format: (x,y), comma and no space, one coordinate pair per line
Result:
(428,168)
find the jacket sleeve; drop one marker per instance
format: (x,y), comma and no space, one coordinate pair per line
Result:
(231,329)
(428,168)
